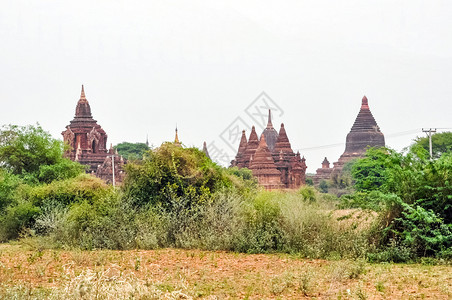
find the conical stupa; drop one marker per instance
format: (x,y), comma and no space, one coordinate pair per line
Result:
(364,133)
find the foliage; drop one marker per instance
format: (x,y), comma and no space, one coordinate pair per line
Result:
(323,186)
(66,192)
(414,195)
(15,219)
(441,143)
(28,202)
(132,151)
(9,183)
(31,153)
(172,172)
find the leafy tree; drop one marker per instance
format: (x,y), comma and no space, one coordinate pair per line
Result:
(171,172)
(441,143)
(369,173)
(131,151)
(31,153)
(416,194)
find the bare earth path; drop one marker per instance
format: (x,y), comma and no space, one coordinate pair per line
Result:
(187,274)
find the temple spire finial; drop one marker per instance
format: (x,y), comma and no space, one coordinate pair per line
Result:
(82,95)
(365,103)
(176,138)
(269,123)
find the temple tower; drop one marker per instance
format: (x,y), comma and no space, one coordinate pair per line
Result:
(87,139)
(364,133)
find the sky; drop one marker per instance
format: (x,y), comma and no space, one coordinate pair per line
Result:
(213,68)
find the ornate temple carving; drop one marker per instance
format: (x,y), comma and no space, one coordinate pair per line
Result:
(69,137)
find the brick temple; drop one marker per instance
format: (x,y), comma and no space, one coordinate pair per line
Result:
(271,158)
(87,141)
(364,133)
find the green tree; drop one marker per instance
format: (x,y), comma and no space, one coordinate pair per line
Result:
(441,143)
(131,151)
(171,172)
(31,153)
(415,193)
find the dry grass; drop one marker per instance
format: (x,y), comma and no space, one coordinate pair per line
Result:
(27,273)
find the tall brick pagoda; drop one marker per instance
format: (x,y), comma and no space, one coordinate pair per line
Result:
(364,133)
(88,143)
(271,158)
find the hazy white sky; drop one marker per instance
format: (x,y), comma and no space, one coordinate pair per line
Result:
(147,65)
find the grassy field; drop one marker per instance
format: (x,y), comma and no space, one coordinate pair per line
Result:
(30,273)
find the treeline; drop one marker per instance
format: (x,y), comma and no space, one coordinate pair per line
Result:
(400,208)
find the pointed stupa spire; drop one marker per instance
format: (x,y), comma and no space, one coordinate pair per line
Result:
(262,142)
(243,143)
(83,110)
(282,142)
(253,135)
(253,143)
(271,135)
(176,138)
(204,149)
(365,120)
(364,103)
(147,140)
(269,123)
(82,94)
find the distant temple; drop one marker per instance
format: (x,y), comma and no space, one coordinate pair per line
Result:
(271,158)
(88,143)
(364,133)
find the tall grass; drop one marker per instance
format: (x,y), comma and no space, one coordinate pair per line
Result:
(266,222)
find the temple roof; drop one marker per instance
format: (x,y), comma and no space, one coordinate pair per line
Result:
(325,163)
(263,163)
(83,110)
(271,135)
(253,143)
(243,143)
(282,143)
(365,120)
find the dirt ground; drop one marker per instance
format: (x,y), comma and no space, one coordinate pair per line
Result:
(187,274)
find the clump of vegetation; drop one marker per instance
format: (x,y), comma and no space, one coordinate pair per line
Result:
(132,151)
(397,207)
(412,194)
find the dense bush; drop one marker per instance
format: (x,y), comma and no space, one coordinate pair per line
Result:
(414,195)
(171,172)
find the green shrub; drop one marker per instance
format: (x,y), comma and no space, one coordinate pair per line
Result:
(15,219)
